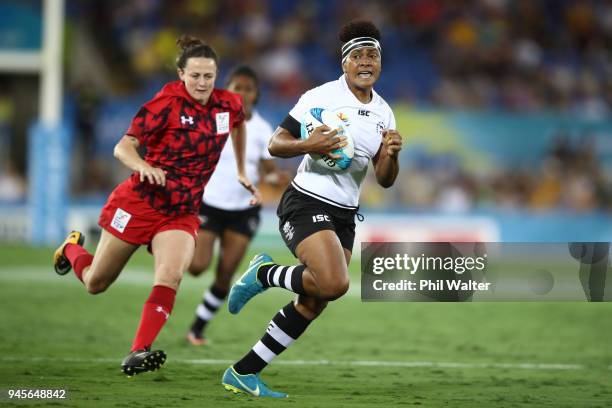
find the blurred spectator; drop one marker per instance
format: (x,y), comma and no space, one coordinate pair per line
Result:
(12,184)
(547,190)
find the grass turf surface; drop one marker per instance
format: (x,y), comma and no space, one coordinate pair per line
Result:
(55,335)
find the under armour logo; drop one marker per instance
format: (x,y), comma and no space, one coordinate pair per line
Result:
(161,310)
(186,119)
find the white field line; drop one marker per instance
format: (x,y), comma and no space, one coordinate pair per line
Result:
(348,363)
(140,276)
(130,276)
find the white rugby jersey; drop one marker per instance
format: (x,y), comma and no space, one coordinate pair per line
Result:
(223,189)
(366,122)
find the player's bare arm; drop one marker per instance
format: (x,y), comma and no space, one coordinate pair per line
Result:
(239,143)
(126,151)
(323,140)
(386,165)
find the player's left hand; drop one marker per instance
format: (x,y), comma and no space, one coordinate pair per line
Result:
(246,183)
(392,142)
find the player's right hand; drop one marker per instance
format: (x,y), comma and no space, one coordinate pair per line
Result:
(324,140)
(153,175)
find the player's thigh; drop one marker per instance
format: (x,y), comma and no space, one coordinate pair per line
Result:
(233,247)
(324,257)
(203,252)
(109,259)
(173,252)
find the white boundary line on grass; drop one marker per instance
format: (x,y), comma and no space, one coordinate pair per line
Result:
(130,276)
(356,363)
(141,276)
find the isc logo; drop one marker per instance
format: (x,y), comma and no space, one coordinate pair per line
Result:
(320,218)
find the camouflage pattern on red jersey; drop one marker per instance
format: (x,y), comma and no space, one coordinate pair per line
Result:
(185,139)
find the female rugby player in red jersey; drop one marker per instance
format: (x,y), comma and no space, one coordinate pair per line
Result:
(183,130)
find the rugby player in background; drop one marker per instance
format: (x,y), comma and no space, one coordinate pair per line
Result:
(226,213)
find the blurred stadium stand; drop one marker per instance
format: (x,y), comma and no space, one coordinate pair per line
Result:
(505,106)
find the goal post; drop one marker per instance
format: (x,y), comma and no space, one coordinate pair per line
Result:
(48,141)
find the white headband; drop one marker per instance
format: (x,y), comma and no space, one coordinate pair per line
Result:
(359,42)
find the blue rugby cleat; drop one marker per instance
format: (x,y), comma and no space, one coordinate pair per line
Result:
(248,285)
(249,384)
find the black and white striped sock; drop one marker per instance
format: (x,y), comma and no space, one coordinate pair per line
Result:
(288,277)
(211,302)
(284,329)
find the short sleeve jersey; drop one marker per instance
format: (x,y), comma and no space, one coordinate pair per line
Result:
(365,122)
(185,139)
(223,190)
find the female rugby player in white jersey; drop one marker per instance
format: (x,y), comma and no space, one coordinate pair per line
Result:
(316,213)
(226,213)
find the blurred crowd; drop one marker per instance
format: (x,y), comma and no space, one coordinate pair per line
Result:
(522,56)
(519,55)
(569,177)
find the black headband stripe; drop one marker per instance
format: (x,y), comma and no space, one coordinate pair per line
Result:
(359,42)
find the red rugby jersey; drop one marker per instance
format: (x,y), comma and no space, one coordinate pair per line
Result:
(184,138)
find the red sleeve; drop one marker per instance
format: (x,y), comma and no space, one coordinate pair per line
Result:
(151,118)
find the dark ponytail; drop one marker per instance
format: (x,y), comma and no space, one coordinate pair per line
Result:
(193,47)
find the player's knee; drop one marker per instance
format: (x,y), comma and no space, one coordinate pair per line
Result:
(196,269)
(168,275)
(333,288)
(96,286)
(198,266)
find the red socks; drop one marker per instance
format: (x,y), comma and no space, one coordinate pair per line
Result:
(155,312)
(156,309)
(79,258)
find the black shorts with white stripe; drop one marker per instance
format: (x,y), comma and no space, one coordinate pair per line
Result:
(300,215)
(217,220)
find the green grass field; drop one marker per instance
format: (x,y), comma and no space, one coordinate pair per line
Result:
(55,335)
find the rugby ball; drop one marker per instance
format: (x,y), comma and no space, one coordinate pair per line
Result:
(315,117)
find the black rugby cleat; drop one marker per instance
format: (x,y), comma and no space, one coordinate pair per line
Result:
(141,361)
